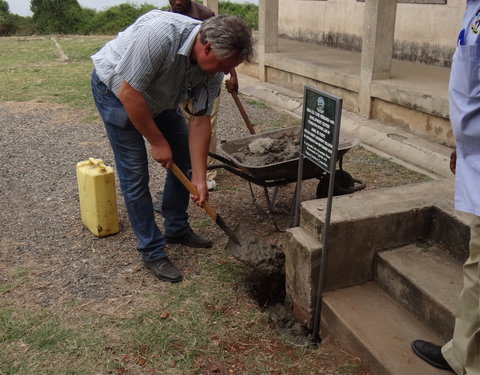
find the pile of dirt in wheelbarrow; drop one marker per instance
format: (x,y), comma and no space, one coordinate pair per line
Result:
(266,150)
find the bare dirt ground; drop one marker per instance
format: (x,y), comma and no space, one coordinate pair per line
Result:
(43,241)
(39,148)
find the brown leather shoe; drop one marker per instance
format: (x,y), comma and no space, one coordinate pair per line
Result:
(164,270)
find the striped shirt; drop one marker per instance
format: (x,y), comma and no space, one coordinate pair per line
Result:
(152,56)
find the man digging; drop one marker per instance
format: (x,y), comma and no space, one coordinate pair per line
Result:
(139,79)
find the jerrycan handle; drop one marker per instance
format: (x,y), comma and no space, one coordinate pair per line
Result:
(98,163)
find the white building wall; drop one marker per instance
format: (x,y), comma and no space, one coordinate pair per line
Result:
(306,19)
(315,20)
(430,23)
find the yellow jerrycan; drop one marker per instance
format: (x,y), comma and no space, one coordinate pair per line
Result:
(98,203)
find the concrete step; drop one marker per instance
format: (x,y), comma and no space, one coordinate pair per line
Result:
(386,210)
(424,279)
(451,231)
(377,329)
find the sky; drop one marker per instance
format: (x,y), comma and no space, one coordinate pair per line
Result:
(22,7)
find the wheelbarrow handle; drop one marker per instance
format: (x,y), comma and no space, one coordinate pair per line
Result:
(242,111)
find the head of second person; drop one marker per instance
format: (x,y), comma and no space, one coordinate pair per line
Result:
(225,42)
(180,6)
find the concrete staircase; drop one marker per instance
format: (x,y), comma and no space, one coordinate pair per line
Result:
(394,272)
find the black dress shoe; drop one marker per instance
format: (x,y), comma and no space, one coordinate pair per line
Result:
(164,270)
(190,239)
(431,354)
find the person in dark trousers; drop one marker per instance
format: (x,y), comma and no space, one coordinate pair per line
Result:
(461,354)
(138,82)
(200,12)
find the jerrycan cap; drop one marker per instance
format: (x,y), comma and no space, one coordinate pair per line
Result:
(98,163)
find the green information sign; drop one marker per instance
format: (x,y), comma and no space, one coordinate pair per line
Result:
(320,132)
(320,114)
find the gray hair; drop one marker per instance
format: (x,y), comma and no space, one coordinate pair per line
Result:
(228,35)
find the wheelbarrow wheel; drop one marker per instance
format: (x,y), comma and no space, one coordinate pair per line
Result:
(344,184)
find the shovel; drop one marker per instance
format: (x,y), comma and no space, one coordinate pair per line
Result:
(206,206)
(250,249)
(243,113)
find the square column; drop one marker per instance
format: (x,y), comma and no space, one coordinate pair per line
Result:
(212,4)
(377,47)
(267,33)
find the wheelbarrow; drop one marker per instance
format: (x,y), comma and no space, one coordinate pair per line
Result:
(270,160)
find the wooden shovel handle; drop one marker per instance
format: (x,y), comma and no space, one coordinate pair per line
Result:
(243,113)
(191,188)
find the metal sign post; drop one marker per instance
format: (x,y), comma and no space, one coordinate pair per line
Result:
(319,143)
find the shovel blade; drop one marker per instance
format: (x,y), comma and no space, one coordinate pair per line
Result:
(228,231)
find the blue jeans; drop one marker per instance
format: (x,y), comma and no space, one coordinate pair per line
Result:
(131,162)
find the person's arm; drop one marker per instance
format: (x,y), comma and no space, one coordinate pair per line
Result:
(453,161)
(232,83)
(199,140)
(138,112)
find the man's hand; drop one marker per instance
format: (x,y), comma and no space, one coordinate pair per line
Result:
(162,153)
(202,189)
(199,131)
(232,83)
(453,161)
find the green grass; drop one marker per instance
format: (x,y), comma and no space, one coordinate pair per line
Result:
(4,288)
(18,52)
(197,224)
(207,320)
(80,48)
(29,340)
(257,103)
(347,369)
(377,171)
(227,272)
(61,84)
(31,71)
(282,121)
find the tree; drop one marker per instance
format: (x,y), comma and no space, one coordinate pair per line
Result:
(4,8)
(117,18)
(57,16)
(7,20)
